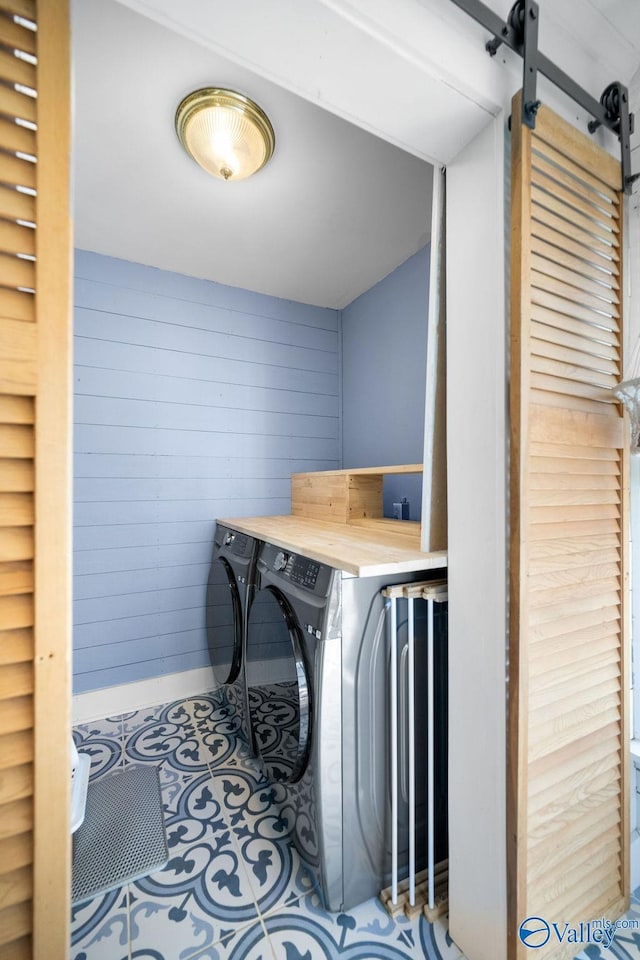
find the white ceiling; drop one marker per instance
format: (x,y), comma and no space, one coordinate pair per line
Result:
(414,72)
(335,210)
(608,29)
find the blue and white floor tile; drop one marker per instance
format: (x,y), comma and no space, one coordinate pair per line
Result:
(203,894)
(218,726)
(166,737)
(207,877)
(139,718)
(262,822)
(100,927)
(235,887)
(193,813)
(247,943)
(104,742)
(306,930)
(201,898)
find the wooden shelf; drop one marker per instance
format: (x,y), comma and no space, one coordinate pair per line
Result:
(344,496)
(364,471)
(337,519)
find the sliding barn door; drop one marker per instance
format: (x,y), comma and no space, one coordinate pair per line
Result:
(568,742)
(35,266)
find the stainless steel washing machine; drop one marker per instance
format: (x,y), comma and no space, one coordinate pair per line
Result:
(230,590)
(317,661)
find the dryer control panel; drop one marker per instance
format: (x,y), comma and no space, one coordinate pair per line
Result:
(234,543)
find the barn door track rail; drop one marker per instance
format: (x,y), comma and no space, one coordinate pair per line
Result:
(520,33)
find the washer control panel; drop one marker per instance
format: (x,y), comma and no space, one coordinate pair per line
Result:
(301,571)
(281,560)
(297,569)
(305,572)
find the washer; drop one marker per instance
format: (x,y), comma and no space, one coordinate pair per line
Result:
(230,590)
(317,673)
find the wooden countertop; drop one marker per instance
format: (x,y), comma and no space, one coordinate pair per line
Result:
(362,549)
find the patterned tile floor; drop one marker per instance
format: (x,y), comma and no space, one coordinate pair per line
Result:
(234,887)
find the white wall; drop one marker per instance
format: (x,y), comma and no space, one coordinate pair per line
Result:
(477,472)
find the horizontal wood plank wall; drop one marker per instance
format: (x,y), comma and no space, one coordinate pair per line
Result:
(568,776)
(35,329)
(193,401)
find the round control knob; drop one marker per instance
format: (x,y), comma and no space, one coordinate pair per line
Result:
(230,537)
(280,561)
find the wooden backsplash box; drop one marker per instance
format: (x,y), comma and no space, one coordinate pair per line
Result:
(345,496)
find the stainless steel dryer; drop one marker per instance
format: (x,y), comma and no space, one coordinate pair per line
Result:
(317,678)
(230,590)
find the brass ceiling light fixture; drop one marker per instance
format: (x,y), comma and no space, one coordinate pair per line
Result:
(227,134)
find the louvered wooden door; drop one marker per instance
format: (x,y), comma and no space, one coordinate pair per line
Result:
(35,269)
(568,790)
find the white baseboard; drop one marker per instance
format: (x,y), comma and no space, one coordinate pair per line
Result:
(112,701)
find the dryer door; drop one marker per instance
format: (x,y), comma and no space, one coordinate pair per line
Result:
(224,621)
(278,686)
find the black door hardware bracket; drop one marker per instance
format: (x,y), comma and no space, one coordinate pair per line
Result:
(520,34)
(615,103)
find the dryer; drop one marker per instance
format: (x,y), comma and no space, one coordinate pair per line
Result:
(317,658)
(230,589)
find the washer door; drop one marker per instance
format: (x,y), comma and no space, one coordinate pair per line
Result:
(278,686)
(224,621)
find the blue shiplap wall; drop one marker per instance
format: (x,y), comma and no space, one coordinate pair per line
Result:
(193,401)
(384,356)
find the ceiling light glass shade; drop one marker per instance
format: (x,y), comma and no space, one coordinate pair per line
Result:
(229,135)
